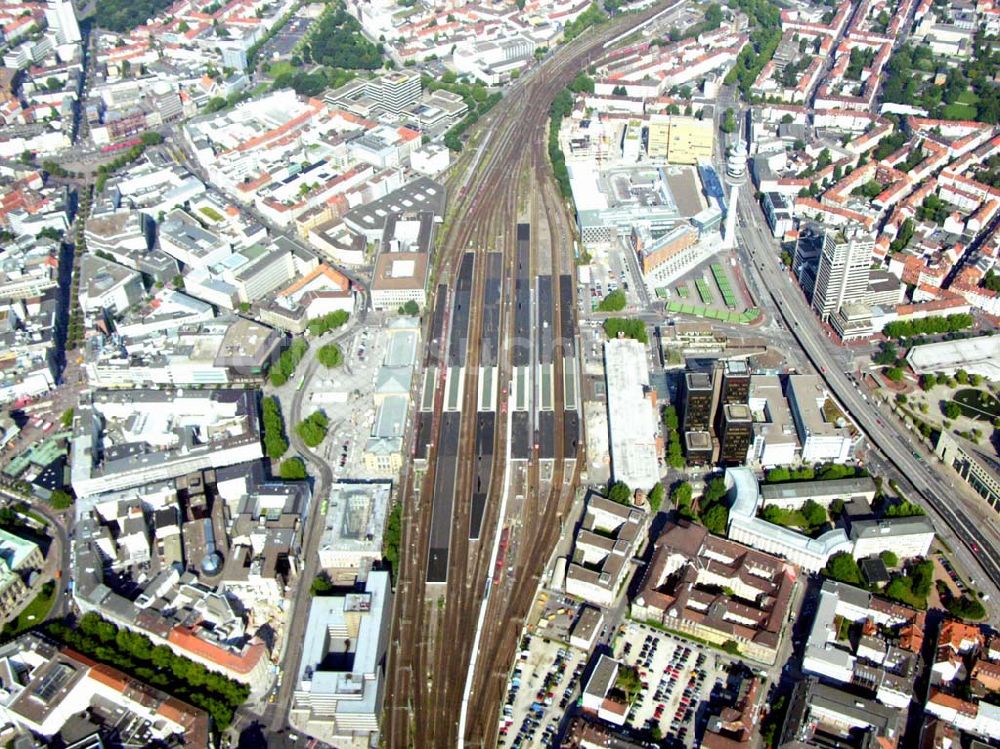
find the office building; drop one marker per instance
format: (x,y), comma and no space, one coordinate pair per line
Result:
(341,685)
(746,527)
(598,693)
(697,416)
(61,17)
(843,272)
(980,471)
(679,139)
(825,432)
(355,520)
(397,89)
(735,381)
(690,140)
(775,441)
(736,433)
(698,448)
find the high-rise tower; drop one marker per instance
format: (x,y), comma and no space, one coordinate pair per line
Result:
(736,177)
(844,270)
(61,17)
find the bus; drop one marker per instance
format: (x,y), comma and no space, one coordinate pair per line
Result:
(302,381)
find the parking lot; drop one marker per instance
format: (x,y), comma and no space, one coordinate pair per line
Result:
(545,680)
(682,680)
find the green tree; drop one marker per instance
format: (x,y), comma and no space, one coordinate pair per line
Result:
(732,647)
(322,585)
(728,124)
(293,469)
(66,420)
(952,410)
(613,302)
(312,429)
(814,513)
(411,308)
(655,497)
(330,355)
(895,374)
(715,490)
(716,518)
(889,558)
(60,500)
(682,495)
(620,493)
(842,567)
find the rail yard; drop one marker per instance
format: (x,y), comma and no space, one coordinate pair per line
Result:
(497,430)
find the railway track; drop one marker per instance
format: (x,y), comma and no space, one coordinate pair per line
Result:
(432,641)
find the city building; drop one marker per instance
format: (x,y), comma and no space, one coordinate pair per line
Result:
(977,355)
(690,140)
(716,590)
(857,637)
(341,683)
(600,696)
(632,415)
(820,716)
(843,272)
(19,557)
(125,439)
(403,263)
(734,725)
(107,286)
(610,535)
(612,202)
(62,696)
(61,18)
(352,534)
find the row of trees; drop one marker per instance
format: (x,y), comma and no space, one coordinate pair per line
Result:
(590,17)
(929,325)
(826,472)
(284,368)
(961,377)
(561,106)
(275,441)
(672,432)
(157,665)
(328,322)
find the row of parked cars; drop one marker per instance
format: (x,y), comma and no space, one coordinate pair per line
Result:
(537,720)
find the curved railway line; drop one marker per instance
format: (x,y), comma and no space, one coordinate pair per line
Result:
(435,626)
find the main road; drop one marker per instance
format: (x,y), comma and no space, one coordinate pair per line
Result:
(974,543)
